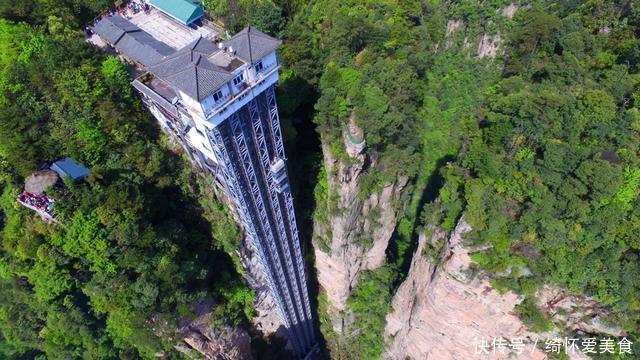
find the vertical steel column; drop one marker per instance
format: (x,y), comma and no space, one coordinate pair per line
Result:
(261,144)
(279,147)
(244,145)
(233,188)
(259,201)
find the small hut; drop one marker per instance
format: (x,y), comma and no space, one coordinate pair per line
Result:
(67,167)
(34,195)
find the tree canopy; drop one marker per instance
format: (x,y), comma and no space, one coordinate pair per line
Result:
(537,146)
(138,243)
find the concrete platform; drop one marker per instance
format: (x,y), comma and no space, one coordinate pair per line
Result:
(97,41)
(169,31)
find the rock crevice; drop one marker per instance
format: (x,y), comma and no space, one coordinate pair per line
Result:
(204,338)
(441,310)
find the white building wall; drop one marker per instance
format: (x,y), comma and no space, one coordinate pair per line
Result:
(193,105)
(209,103)
(269,78)
(201,143)
(200,111)
(159,116)
(229,90)
(268,62)
(241,70)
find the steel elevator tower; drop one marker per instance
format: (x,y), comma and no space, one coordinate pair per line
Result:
(250,143)
(218,100)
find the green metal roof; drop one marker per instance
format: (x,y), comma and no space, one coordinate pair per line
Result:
(185,11)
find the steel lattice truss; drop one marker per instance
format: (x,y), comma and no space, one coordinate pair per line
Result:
(245,146)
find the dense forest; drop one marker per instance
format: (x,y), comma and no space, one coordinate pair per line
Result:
(550,176)
(137,246)
(537,146)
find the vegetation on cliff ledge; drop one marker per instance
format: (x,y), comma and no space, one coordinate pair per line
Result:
(539,145)
(549,176)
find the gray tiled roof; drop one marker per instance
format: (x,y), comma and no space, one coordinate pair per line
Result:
(130,40)
(123,23)
(261,44)
(108,30)
(189,70)
(164,103)
(203,46)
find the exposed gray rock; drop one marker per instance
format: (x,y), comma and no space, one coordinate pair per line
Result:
(453,26)
(510,10)
(440,311)
(489,45)
(267,319)
(203,337)
(576,311)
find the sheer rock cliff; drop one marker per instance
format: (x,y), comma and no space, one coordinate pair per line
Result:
(267,319)
(357,231)
(577,312)
(444,309)
(441,309)
(489,43)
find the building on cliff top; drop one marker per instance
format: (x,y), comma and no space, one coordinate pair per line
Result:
(218,101)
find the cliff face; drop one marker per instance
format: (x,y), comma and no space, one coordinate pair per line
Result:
(267,319)
(578,312)
(442,308)
(357,231)
(489,44)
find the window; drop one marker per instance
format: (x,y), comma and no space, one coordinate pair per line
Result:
(259,66)
(217,96)
(238,79)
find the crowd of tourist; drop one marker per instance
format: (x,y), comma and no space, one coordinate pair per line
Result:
(41,203)
(132,7)
(126,9)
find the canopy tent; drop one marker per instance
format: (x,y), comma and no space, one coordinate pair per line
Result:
(39,181)
(70,168)
(184,11)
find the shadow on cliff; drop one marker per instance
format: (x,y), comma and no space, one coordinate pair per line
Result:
(272,347)
(401,247)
